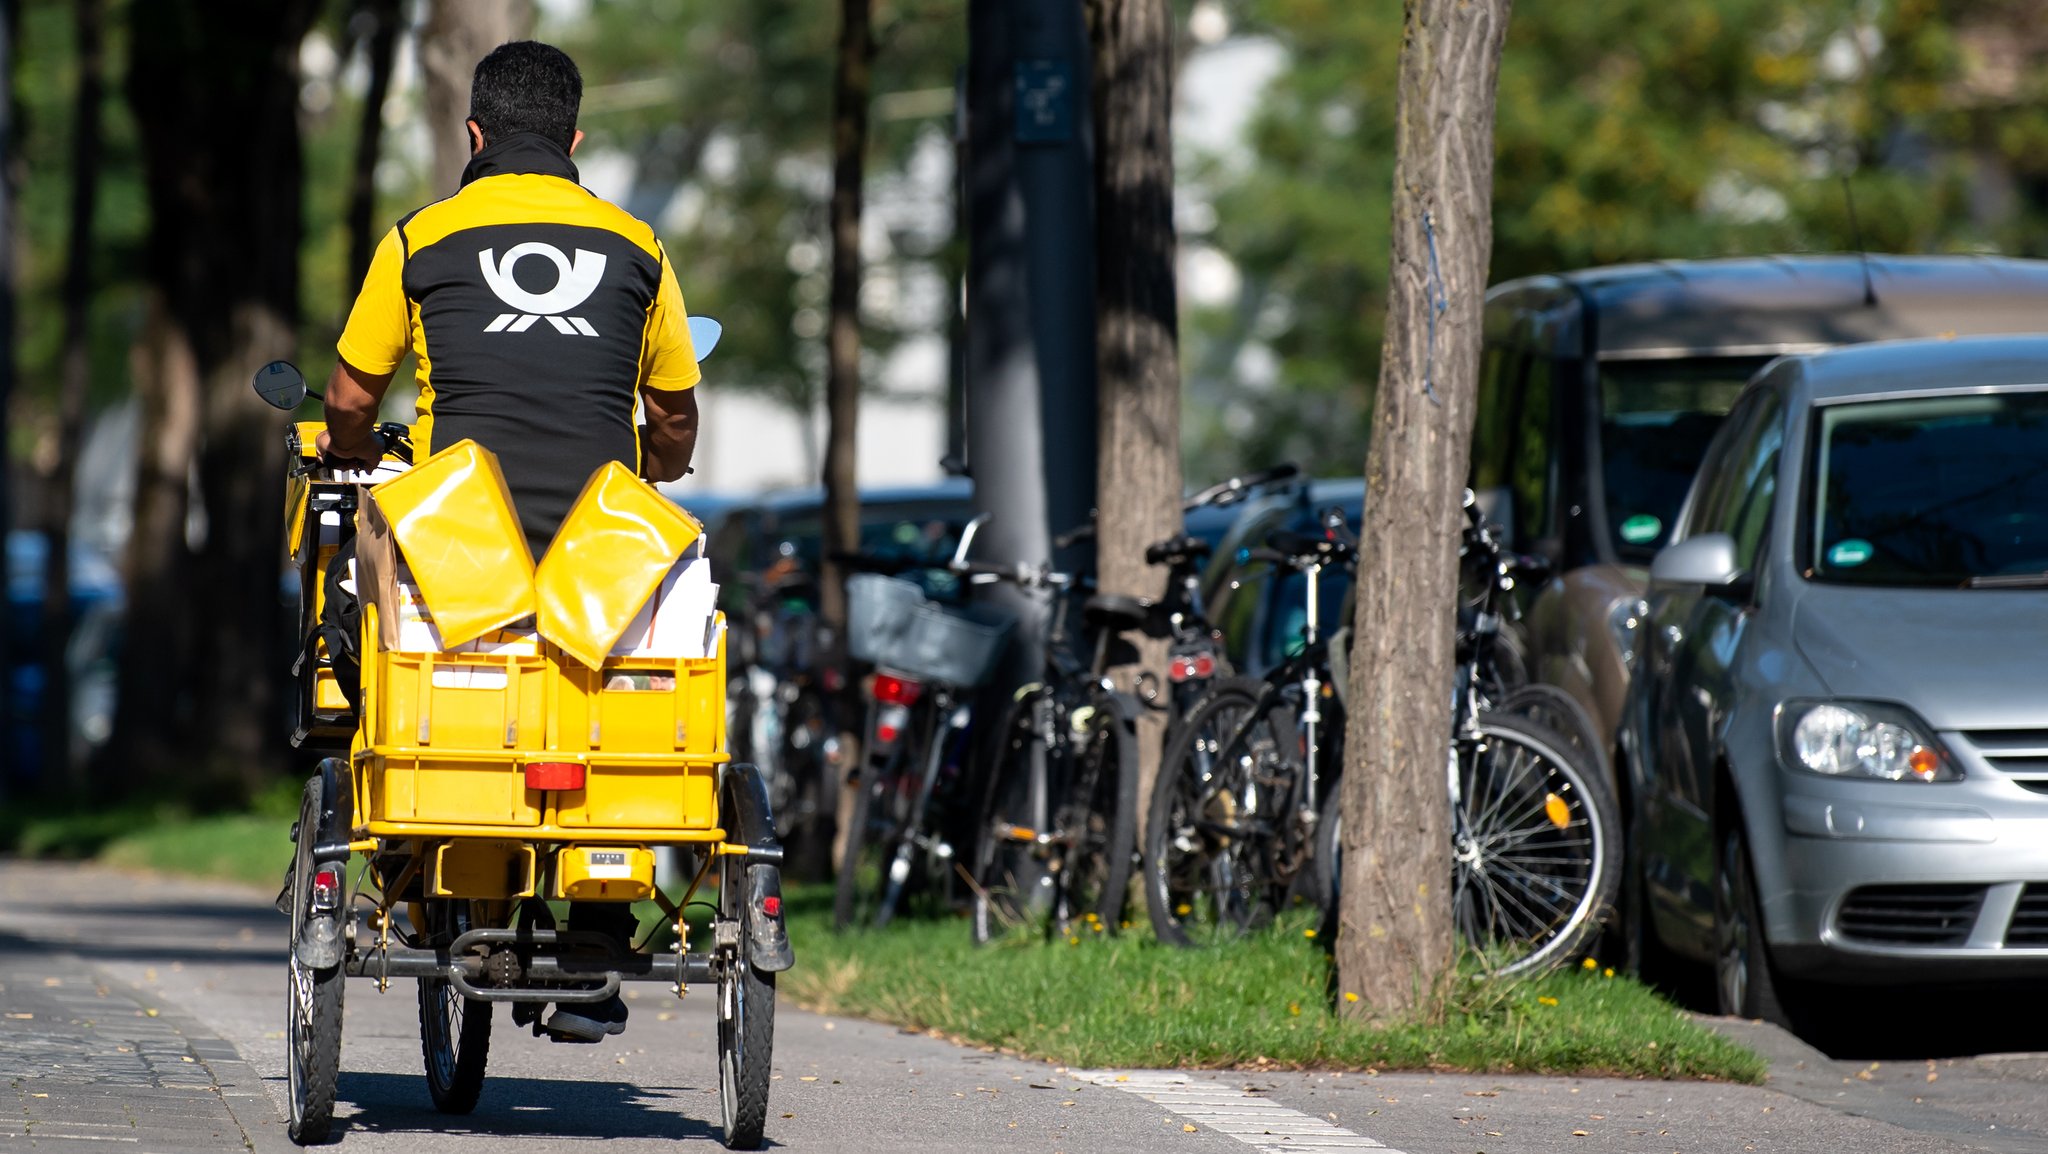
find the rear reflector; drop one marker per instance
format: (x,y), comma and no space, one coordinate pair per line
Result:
(326,889)
(772,906)
(897,690)
(554,775)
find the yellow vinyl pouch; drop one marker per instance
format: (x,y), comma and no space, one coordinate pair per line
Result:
(617,543)
(453,520)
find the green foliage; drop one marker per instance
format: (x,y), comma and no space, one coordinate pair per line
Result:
(1630,130)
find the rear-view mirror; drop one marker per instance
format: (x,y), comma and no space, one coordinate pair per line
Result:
(1708,559)
(281,385)
(704,334)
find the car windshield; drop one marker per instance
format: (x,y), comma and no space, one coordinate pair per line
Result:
(1656,418)
(1931,491)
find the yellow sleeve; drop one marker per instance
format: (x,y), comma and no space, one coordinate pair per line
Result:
(379,328)
(668,361)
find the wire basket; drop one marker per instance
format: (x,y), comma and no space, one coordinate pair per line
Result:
(955,646)
(878,614)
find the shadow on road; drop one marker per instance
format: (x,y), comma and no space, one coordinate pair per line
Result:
(532,1107)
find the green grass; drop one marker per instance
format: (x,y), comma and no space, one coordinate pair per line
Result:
(1130,1001)
(1104,1001)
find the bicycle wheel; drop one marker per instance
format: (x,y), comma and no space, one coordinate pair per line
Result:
(1010,879)
(867,828)
(1210,835)
(1095,824)
(746,1027)
(455,1032)
(1561,713)
(313,1013)
(1534,840)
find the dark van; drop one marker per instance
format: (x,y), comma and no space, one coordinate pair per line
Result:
(1600,389)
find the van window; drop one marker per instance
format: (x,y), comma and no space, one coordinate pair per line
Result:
(1532,469)
(1656,420)
(1493,421)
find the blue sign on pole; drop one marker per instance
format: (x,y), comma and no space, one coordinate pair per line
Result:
(1045,101)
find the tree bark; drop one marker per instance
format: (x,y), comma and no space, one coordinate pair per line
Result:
(457,34)
(1395,932)
(205,646)
(385,18)
(1138,474)
(71,400)
(850,93)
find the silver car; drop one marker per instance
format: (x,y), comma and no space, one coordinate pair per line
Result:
(1836,732)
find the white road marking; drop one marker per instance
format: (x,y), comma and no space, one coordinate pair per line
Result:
(1252,1120)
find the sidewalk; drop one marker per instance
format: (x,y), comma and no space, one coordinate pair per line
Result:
(90,1065)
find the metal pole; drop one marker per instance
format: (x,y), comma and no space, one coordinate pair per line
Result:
(1030,290)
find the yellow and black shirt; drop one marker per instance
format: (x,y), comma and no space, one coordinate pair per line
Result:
(537,310)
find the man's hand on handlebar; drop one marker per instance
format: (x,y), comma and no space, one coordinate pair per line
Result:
(362,455)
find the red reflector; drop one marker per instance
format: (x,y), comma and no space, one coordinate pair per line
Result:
(554,775)
(1180,670)
(1205,666)
(327,880)
(887,734)
(772,906)
(897,690)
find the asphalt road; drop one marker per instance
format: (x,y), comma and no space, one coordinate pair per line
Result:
(146,1014)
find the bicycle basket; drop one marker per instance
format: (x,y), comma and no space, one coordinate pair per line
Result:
(955,646)
(878,613)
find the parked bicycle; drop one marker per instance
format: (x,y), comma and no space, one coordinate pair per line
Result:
(1243,782)
(1535,828)
(929,658)
(780,701)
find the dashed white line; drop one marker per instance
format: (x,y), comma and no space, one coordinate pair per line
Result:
(1259,1122)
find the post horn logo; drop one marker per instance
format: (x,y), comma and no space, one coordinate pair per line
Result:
(573,285)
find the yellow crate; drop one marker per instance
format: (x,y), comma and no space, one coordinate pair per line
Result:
(448,789)
(467,701)
(642,794)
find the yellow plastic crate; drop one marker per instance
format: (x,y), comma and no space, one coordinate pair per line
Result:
(448,789)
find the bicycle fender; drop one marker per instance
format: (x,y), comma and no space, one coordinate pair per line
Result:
(337,810)
(768,948)
(1129,709)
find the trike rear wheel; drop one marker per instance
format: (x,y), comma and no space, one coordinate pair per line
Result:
(455,1032)
(313,1035)
(746,1028)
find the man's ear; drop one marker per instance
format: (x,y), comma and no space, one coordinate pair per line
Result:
(476,137)
(574,141)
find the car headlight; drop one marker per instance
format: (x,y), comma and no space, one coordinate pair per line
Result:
(1865,739)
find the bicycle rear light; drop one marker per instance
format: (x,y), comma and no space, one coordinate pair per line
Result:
(1191,666)
(893,690)
(326,889)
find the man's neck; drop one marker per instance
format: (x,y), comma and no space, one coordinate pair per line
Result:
(520,152)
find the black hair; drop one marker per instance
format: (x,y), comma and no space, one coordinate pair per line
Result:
(526,86)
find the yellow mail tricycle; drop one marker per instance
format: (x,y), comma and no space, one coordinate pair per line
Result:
(526,740)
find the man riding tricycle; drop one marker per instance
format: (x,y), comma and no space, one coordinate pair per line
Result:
(507,745)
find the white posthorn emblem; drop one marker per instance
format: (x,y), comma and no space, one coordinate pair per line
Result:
(573,285)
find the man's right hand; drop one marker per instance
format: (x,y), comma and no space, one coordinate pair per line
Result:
(360,455)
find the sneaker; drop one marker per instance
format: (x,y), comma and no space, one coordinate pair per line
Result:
(587,1021)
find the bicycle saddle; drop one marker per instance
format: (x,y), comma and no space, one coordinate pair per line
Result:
(1302,547)
(1176,550)
(1117,612)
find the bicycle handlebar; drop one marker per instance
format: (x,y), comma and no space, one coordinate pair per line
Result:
(1235,488)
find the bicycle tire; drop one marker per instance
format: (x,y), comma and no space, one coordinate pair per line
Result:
(746,1028)
(312,1002)
(455,1032)
(1543,904)
(1555,709)
(1007,876)
(1094,869)
(859,835)
(1171,894)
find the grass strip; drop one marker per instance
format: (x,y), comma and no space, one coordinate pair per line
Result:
(1261,1002)
(1127,1000)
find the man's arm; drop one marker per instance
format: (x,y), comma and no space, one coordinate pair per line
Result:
(353,397)
(669,438)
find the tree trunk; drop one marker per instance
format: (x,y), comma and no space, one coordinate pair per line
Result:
(1138,477)
(457,34)
(1395,934)
(842,352)
(11,774)
(380,46)
(76,383)
(206,646)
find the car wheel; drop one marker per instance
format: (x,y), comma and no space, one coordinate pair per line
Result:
(1745,985)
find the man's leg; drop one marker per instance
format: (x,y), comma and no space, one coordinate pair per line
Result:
(591,1021)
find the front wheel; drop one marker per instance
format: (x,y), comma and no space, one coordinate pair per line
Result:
(455,1032)
(313,1035)
(746,1029)
(1746,985)
(1535,846)
(1010,878)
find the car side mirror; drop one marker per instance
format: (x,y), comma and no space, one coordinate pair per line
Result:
(1708,559)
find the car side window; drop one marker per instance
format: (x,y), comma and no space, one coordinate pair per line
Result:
(1715,487)
(1751,514)
(1530,472)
